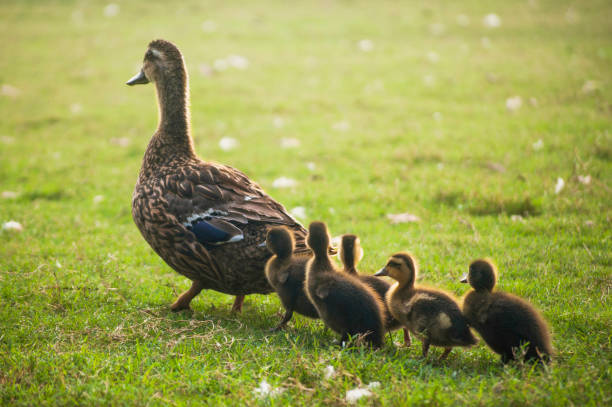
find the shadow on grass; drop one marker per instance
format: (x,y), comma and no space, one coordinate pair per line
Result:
(494,205)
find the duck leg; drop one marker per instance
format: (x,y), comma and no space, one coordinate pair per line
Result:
(407,341)
(237,307)
(281,325)
(425,346)
(445,354)
(184,299)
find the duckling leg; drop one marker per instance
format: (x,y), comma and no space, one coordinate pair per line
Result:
(407,341)
(184,299)
(425,346)
(445,354)
(237,307)
(286,318)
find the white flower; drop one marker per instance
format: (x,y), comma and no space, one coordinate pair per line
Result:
(590,86)
(120,141)
(284,182)
(265,390)
(278,122)
(538,145)
(433,57)
(365,45)
(289,143)
(10,91)
(571,16)
(437,116)
(463,20)
(98,198)
(584,179)
(311,166)
(111,10)
(329,372)
(58,264)
(336,241)
(228,143)
(9,194)
(514,103)
(76,108)
(559,185)
(437,28)
(205,69)
(341,126)
(209,26)
(402,218)
(7,140)
(238,61)
(352,396)
(220,64)
(517,218)
(440,166)
(491,20)
(485,42)
(12,226)
(298,212)
(533,102)
(373,385)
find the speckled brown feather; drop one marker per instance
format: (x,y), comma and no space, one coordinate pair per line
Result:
(174,184)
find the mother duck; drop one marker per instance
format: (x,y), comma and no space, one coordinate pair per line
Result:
(207,221)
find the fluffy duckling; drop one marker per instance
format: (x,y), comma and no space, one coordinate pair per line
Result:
(285,273)
(344,303)
(504,321)
(350,254)
(430,314)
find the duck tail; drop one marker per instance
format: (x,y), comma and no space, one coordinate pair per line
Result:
(280,242)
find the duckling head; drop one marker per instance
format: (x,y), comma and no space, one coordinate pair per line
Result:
(161,60)
(350,252)
(401,267)
(318,238)
(280,242)
(482,275)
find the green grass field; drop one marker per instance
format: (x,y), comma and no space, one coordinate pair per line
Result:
(417,124)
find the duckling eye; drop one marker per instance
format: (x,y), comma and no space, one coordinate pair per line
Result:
(393,264)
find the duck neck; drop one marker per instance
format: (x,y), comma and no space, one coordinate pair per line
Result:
(322,263)
(405,283)
(172,140)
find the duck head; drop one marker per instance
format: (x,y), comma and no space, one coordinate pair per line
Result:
(350,251)
(482,275)
(280,242)
(401,267)
(318,238)
(161,60)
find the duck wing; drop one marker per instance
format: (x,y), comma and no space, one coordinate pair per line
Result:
(216,202)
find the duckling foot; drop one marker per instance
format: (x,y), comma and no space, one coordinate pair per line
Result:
(237,307)
(182,303)
(445,354)
(283,323)
(425,347)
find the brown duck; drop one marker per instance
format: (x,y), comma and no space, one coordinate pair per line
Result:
(350,254)
(207,221)
(286,273)
(432,315)
(504,321)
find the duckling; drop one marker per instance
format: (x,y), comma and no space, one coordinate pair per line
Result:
(432,315)
(350,253)
(344,303)
(505,322)
(285,273)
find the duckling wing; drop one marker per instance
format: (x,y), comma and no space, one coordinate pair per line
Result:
(216,202)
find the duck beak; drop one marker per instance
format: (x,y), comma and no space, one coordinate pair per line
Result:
(138,79)
(382,272)
(464,278)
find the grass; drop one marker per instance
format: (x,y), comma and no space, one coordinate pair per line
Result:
(84,317)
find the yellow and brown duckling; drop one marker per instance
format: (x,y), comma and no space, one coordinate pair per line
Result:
(432,315)
(286,274)
(350,254)
(506,322)
(344,303)
(207,221)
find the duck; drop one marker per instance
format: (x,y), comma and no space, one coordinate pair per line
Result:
(345,304)
(206,220)
(506,322)
(430,314)
(286,273)
(350,253)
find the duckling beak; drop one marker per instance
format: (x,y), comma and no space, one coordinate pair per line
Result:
(382,272)
(138,79)
(464,278)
